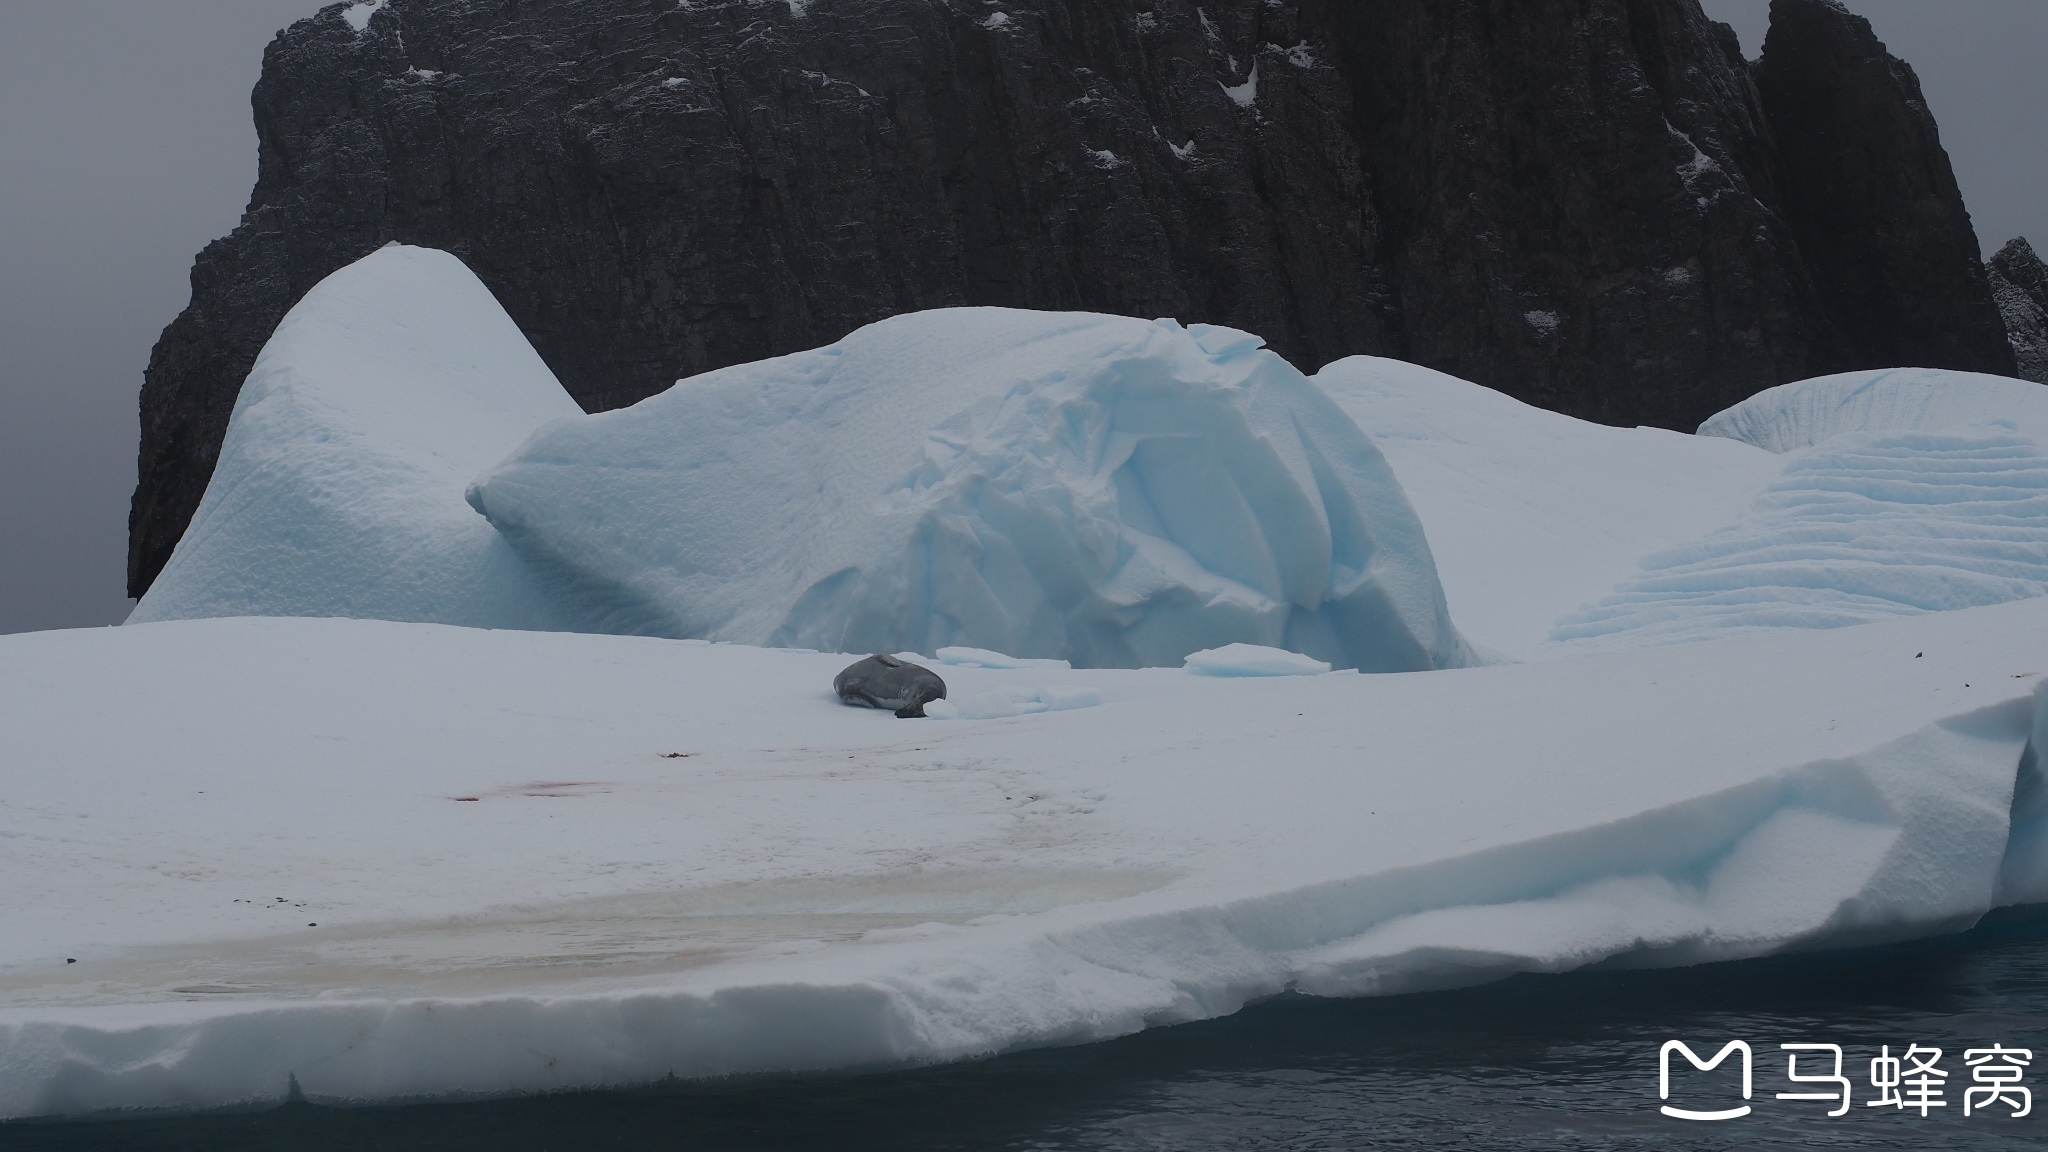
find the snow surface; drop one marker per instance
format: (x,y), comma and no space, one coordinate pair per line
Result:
(1862,527)
(402,859)
(1105,490)
(1531,514)
(339,489)
(1804,413)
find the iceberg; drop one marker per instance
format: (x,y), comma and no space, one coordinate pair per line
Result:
(339,488)
(394,860)
(1806,412)
(1098,489)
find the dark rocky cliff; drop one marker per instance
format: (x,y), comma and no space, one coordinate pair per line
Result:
(1588,204)
(1871,195)
(2019,283)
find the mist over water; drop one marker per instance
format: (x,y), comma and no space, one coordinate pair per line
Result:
(1535,1061)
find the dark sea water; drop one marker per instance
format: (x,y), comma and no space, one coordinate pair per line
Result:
(1533,1062)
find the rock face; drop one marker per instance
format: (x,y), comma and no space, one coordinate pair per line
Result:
(2019,283)
(1870,192)
(1592,207)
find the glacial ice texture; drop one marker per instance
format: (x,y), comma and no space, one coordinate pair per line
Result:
(1530,513)
(1865,526)
(339,490)
(1806,412)
(1109,491)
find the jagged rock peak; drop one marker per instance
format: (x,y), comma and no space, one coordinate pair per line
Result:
(2019,283)
(1873,197)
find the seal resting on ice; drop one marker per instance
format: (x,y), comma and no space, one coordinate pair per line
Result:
(886,682)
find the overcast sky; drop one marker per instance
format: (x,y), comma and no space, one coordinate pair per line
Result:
(126,145)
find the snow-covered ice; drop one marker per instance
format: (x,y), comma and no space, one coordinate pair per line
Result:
(1531,514)
(1861,527)
(983,658)
(339,489)
(1822,503)
(1253,660)
(1099,489)
(401,859)
(1806,412)
(1018,699)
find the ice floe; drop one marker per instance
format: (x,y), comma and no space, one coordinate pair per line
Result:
(395,860)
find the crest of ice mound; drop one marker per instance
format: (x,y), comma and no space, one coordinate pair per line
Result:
(1100,489)
(983,658)
(339,490)
(1806,412)
(1861,528)
(1253,660)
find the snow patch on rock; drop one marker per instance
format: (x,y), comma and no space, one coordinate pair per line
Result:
(358,14)
(1246,94)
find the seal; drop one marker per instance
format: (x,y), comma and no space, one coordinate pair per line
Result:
(886,682)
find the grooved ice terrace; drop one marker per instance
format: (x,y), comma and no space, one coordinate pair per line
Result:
(471,744)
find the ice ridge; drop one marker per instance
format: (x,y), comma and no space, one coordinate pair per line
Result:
(1865,526)
(1806,412)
